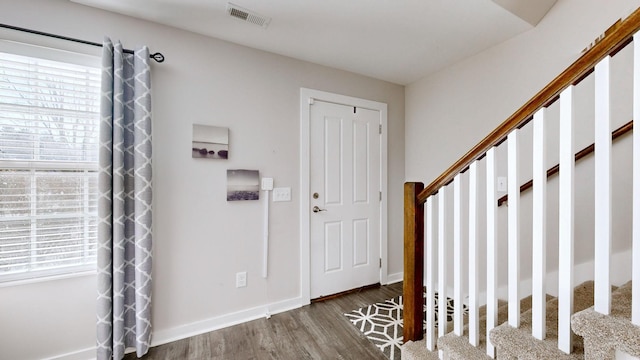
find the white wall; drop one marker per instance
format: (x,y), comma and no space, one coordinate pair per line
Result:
(200,240)
(450,111)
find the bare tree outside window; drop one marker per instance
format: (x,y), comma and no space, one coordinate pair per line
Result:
(49,113)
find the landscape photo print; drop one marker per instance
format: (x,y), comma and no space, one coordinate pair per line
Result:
(210,142)
(243,185)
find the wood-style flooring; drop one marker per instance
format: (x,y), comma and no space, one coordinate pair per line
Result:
(317,331)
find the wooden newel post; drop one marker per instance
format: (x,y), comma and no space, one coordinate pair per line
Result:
(413,262)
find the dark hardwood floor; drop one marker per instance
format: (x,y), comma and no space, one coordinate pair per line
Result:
(317,331)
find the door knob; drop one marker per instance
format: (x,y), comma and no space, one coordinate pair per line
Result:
(317,209)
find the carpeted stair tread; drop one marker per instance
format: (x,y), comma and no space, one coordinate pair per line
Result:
(417,350)
(520,344)
(458,347)
(604,334)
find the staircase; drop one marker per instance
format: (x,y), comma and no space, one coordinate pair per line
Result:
(604,334)
(458,347)
(459,223)
(596,336)
(517,343)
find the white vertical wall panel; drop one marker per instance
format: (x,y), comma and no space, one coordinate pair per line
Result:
(442,261)
(474,324)
(429,268)
(602,221)
(492,249)
(513,184)
(566,221)
(635,312)
(457,256)
(539,231)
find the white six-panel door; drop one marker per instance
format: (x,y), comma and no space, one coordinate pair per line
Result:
(345,192)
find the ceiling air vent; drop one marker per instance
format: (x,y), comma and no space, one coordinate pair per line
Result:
(246,15)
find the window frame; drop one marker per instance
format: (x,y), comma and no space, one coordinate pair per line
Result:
(85,170)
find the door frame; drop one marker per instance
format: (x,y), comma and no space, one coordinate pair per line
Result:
(307,96)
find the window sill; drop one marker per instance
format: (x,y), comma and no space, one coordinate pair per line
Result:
(48,278)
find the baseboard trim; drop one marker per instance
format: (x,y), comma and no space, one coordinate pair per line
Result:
(394,278)
(84,354)
(161,337)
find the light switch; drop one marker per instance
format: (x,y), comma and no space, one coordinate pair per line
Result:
(502,183)
(282,194)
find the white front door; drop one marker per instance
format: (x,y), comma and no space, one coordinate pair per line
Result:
(344,190)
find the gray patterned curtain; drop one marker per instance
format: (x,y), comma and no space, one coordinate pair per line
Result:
(124,205)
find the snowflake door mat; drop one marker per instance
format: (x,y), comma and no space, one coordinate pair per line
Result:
(381,323)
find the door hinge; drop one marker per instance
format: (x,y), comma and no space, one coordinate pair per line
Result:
(380,195)
(380,263)
(380,129)
(311,101)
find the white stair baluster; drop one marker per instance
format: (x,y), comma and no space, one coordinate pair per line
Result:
(566,221)
(539,231)
(492,250)
(635,296)
(474,324)
(429,268)
(442,264)
(457,256)
(602,223)
(513,229)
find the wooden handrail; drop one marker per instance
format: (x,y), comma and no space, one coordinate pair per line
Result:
(615,38)
(579,155)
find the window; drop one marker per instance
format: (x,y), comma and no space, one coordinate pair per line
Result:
(49,118)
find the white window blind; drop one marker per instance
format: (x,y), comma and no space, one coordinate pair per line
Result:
(49,115)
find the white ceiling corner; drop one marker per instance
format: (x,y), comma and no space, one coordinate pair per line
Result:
(529,11)
(396,41)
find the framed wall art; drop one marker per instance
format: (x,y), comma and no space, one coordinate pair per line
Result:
(243,185)
(210,142)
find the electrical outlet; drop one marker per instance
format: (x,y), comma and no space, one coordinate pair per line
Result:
(241,279)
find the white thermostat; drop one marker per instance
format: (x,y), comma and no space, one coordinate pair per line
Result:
(267,183)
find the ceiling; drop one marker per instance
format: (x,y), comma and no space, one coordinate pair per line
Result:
(399,41)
